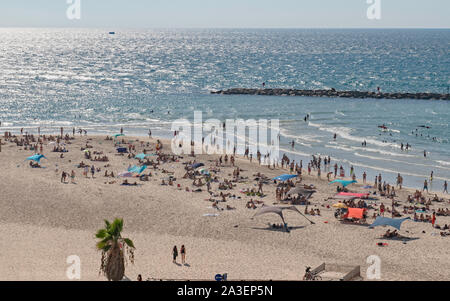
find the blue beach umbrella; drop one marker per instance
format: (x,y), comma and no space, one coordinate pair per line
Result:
(284,178)
(36,158)
(133,168)
(137,169)
(197,165)
(343,182)
(386,221)
(141,169)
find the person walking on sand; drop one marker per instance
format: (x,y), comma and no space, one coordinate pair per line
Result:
(72,177)
(433,219)
(175,254)
(92,171)
(183,254)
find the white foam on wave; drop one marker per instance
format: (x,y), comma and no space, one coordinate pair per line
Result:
(300,138)
(399,161)
(382,169)
(345,133)
(446,163)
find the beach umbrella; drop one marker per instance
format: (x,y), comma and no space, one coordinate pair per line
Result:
(340,206)
(197,165)
(343,182)
(386,221)
(284,178)
(118,135)
(141,169)
(279,211)
(36,158)
(137,169)
(133,168)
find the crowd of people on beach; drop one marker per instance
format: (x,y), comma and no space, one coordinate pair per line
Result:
(221,176)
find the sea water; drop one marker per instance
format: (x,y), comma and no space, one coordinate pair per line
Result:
(145,79)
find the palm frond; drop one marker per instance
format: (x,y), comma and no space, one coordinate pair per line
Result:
(129,242)
(101,233)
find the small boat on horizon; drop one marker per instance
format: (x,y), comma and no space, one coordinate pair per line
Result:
(112,32)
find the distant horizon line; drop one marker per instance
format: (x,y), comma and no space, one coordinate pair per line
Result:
(188,27)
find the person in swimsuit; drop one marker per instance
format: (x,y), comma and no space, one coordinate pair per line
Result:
(183,254)
(175,254)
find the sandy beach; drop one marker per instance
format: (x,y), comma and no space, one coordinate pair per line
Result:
(44,221)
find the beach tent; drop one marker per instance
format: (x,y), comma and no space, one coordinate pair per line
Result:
(284,178)
(343,182)
(385,221)
(36,158)
(197,165)
(300,190)
(279,211)
(357,213)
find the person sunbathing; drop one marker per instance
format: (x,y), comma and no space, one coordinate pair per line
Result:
(230,208)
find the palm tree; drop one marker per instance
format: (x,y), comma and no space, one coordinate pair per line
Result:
(114,247)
